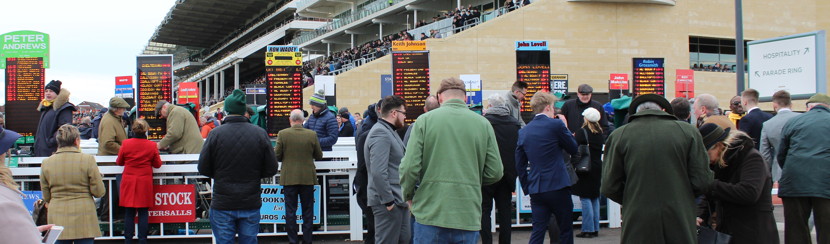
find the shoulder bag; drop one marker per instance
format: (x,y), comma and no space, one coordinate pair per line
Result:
(582,160)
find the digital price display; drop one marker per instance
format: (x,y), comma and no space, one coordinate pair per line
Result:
(155,83)
(285,93)
(24,91)
(532,67)
(410,81)
(649,76)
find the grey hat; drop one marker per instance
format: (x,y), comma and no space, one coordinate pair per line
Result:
(585,88)
(160,105)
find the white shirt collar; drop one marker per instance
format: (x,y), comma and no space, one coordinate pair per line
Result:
(784,109)
(750,110)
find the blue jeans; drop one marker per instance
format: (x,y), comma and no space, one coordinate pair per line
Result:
(557,203)
(428,234)
(227,223)
(76,241)
(590,214)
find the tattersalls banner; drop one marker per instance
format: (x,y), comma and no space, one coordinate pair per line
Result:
(173,204)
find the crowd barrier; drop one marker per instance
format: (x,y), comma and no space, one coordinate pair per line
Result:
(339,211)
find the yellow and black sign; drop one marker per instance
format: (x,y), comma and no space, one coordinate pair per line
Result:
(283,59)
(401,46)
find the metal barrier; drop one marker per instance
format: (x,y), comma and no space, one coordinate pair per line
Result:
(340,164)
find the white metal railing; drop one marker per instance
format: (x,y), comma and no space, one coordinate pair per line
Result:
(341,164)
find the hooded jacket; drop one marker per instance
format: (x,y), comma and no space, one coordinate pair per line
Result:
(51,118)
(110,134)
(514,108)
(742,191)
(506,129)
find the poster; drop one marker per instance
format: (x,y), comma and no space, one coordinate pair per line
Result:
(273,205)
(173,204)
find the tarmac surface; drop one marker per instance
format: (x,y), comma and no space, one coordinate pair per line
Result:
(520,235)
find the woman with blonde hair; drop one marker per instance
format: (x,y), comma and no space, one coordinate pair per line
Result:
(18,226)
(587,188)
(69,180)
(138,156)
(740,196)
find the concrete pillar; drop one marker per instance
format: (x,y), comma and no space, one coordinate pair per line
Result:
(236,76)
(222,83)
(415,21)
(216,86)
(328,49)
(201,88)
(380,31)
(207,89)
(352,36)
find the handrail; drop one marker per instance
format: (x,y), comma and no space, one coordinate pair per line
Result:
(335,24)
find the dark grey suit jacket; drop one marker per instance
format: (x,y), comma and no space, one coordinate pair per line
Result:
(383,151)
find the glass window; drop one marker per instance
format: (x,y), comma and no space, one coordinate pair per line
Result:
(706,52)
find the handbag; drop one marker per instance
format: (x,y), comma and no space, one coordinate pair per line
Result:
(706,235)
(582,159)
(40,212)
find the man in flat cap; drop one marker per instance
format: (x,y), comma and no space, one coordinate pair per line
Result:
(55,110)
(111,130)
(804,157)
(655,166)
(183,134)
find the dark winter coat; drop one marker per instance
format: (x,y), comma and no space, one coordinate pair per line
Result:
(346,130)
(51,118)
(325,125)
(237,155)
(752,123)
(506,129)
(588,184)
(803,155)
(572,109)
(361,176)
(655,166)
(742,193)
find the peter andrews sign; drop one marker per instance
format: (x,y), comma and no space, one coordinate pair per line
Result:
(793,63)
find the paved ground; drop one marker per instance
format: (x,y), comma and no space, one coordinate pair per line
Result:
(520,235)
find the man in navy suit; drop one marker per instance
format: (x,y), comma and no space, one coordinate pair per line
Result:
(548,181)
(754,119)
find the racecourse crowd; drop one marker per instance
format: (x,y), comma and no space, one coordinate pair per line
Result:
(678,168)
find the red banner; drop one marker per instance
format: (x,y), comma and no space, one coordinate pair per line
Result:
(684,85)
(124,81)
(173,204)
(618,82)
(188,93)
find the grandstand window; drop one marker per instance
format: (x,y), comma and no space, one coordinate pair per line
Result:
(712,54)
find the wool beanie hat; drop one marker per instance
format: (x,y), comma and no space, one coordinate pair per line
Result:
(591,114)
(235,103)
(712,134)
(55,86)
(318,99)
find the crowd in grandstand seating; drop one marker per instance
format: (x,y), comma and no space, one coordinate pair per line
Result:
(717,67)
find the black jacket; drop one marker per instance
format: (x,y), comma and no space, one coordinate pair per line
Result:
(237,155)
(347,130)
(506,129)
(752,123)
(52,118)
(742,192)
(572,109)
(361,176)
(588,184)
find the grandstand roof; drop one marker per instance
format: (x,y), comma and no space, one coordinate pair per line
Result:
(203,23)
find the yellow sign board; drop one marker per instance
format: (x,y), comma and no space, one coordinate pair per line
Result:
(398,46)
(283,59)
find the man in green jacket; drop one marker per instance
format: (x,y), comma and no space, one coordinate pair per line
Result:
(804,157)
(183,134)
(297,148)
(655,166)
(451,153)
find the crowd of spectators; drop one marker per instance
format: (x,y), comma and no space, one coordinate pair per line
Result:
(717,67)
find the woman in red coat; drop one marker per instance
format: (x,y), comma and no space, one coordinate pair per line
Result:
(137,155)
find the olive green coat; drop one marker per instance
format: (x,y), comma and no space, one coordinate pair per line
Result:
(297,148)
(110,134)
(655,166)
(183,133)
(69,179)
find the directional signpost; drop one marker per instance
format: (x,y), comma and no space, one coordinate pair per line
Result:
(793,63)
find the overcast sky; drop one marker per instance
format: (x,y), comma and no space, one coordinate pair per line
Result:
(91,41)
